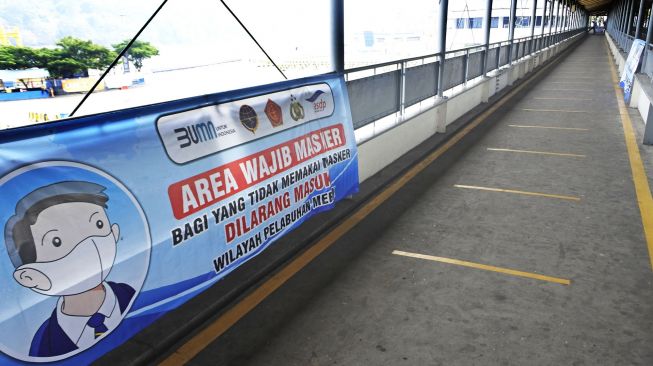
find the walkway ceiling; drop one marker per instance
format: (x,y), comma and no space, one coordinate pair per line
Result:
(595,5)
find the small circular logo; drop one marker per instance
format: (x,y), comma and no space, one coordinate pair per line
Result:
(248,118)
(296,109)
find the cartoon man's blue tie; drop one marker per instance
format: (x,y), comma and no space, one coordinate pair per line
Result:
(97,323)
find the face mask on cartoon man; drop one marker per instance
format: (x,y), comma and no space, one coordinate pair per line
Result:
(75,250)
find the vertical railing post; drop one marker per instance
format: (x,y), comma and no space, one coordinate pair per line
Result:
(542,25)
(557,20)
(498,56)
(563,17)
(402,92)
(511,29)
(616,19)
(466,66)
(585,20)
(640,14)
(568,16)
(622,16)
(649,36)
(629,18)
(531,46)
(442,46)
(577,15)
(487,20)
(622,22)
(565,25)
(548,42)
(338,40)
(612,17)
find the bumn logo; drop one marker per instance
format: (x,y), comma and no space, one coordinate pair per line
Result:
(195,133)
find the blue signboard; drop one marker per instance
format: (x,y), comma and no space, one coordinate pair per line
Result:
(110,221)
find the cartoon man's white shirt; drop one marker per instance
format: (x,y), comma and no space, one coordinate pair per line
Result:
(76,327)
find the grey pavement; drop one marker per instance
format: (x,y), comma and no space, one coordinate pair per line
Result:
(384,309)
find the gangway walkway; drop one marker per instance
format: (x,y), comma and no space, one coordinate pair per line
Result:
(529,250)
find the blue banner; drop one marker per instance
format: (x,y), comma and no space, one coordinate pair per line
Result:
(112,220)
(630,68)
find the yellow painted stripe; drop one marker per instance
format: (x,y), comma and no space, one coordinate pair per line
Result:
(571,82)
(558,196)
(593,78)
(561,98)
(551,127)
(537,152)
(575,90)
(551,110)
(574,74)
(640,179)
(485,267)
(207,335)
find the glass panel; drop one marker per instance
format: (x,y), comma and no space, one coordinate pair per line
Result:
(187,50)
(473,11)
(70,43)
(377,32)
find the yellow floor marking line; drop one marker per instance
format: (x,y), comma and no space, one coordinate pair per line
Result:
(526,193)
(576,75)
(642,189)
(576,90)
(551,127)
(207,335)
(560,98)
(571,82)
(485,267)
(537,152)
(581,77)
(552,110)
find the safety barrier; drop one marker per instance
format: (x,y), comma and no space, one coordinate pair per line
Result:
(381,90)
(385,140)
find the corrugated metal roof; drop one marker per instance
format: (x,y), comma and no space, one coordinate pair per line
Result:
(593,5)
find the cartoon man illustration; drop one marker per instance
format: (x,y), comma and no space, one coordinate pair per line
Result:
(61,243)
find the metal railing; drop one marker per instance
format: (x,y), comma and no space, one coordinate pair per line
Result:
(625,42)
(381,90)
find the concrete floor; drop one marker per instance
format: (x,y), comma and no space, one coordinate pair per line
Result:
(384,309)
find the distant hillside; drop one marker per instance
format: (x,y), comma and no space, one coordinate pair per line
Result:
(43,22)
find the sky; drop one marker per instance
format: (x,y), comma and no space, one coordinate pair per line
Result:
(196,32)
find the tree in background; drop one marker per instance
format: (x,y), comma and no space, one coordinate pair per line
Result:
(74,57)
(14,58)
(138,51)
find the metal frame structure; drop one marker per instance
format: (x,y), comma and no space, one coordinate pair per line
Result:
(622,18)
(390,88)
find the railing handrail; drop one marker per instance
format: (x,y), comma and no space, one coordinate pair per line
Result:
(461,50)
